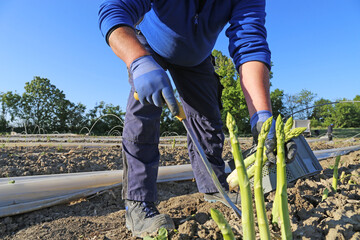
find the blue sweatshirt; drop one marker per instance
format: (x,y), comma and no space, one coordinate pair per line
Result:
(184,32)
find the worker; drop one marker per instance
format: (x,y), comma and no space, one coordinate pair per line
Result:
(179,35)
(330,132)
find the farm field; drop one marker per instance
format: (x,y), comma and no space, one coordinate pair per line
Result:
(101,216)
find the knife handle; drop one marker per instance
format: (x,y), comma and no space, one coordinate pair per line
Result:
(181,116)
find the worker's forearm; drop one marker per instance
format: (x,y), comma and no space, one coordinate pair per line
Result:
(125,45)
(254,79)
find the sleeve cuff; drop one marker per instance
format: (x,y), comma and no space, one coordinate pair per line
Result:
(109,32)
(259,57)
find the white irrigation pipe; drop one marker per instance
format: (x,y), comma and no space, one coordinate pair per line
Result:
(35,192)
(74,138)
(327,153)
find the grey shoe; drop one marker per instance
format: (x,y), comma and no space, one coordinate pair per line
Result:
(142,218)
(214,197)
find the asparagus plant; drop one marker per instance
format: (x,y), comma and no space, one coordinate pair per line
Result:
(224,226)
(325,194)
(281,203)
(243,180)
(173,143)
(342,177)
(288,126)
(258,187)
(335,174)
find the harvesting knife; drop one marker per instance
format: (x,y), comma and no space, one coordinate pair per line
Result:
(182,118)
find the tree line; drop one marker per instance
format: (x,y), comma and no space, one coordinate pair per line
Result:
(43,108)
(302,105)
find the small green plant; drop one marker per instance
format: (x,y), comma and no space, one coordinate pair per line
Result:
(173,144)
(48,138)
(162,235)
(59,148)
(335,174)
(224,226)
(352,182)
(342,177)
(11,181)
(325,194)
(2,146)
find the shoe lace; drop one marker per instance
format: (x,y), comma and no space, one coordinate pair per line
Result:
(150,209)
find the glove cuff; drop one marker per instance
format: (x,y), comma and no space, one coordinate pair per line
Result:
(261,116)
(147,64)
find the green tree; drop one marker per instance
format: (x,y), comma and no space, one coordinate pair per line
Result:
(3,121)
(39,103)
(43,105)
(10,104)
(233,99)
(321,112)
(277,102)
(299,105)
(290,104)
(69,116)
(105,118)
(9,108)
(345,115)
(306,100)
(357,102)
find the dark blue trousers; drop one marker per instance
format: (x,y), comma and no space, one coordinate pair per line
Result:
(199,90)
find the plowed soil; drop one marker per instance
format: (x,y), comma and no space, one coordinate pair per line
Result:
(101,216)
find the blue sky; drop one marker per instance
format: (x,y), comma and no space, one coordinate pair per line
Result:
(315,46)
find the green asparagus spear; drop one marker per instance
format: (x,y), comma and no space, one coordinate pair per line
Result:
(281,189)
(335,174)
(243,180)
(224,226)
(258,187)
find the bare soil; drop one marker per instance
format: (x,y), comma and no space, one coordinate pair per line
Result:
(101,216)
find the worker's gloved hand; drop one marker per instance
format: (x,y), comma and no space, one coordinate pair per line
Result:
(152,84)
(290,151)
(256,121)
